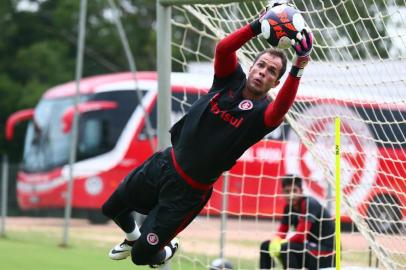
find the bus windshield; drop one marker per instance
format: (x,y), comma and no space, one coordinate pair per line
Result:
(47,146)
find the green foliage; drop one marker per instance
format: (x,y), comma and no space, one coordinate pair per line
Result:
(44,61)
(39,49)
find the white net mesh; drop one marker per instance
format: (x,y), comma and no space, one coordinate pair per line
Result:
(358,74)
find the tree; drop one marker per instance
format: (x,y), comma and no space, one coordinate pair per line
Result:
(38,48)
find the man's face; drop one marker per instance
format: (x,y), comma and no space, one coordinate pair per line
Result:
(292,194)
(263,75)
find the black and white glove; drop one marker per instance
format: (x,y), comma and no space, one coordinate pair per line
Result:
(303,45)
(256,24)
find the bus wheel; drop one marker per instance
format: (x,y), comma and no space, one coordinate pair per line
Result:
(384,215)
(96,217)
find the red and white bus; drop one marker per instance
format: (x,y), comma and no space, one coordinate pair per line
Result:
(113,139)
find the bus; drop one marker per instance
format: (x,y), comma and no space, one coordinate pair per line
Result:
(114,138)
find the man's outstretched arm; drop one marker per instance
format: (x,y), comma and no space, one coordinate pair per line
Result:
(225,58)
(276,110)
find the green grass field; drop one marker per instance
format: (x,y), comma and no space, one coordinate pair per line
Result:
(18,254)
(38,252)
(34,244)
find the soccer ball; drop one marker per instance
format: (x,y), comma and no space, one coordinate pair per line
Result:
(221,264)
(280,24)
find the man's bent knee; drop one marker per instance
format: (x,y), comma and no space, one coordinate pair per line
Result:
(138,259)
(142,253)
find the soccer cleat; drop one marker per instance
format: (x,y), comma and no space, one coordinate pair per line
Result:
(173,245)
(121,251)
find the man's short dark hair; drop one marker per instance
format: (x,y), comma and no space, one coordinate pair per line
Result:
(276,53)
(290,180)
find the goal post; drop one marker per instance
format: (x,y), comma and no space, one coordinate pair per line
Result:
(164,68)
(357,74)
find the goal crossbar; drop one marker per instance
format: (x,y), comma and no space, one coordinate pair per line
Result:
(193,2)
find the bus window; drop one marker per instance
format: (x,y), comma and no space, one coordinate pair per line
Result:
(47,146)
(100,130)
(91,137)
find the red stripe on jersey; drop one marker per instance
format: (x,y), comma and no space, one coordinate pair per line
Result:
(189,180)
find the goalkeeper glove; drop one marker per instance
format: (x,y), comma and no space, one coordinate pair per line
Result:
(303,45)
(256,24)
(275,247)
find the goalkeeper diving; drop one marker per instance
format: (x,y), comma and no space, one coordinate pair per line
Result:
(174,184)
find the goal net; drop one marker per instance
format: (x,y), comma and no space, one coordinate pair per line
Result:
(357,73)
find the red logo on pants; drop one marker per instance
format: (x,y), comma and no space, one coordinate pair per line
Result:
(152,239)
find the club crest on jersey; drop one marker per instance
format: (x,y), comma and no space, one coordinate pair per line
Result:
(152,239)
(245,105)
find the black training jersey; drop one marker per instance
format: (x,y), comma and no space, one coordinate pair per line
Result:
(322,228)
(218,128)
